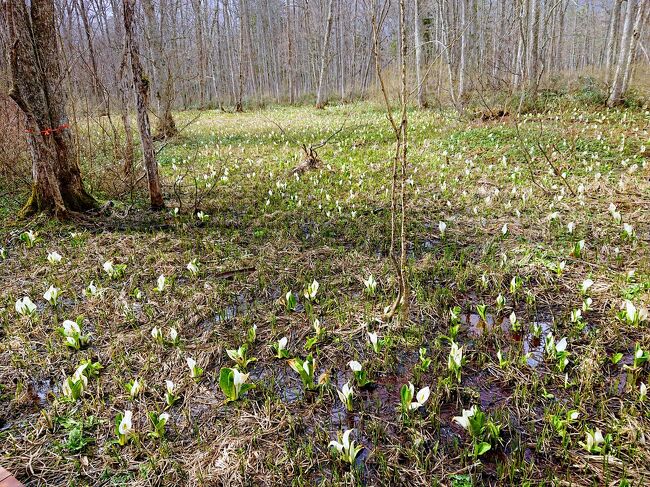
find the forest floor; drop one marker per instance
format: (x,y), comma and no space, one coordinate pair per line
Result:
(529,224)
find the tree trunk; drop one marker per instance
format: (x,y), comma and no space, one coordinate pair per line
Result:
(239,107)
(624,60)
(289,53)
(91,51)
(201,52)
(164,80)
(323,60)
(38,91)
(141,89)
(463,48)
(418,53)
(612,37)
(636,34)
(533,69)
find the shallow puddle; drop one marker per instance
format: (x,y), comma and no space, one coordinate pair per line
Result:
(535,345)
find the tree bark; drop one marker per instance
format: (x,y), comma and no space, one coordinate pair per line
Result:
(463,48)
(533,69)
(636,34)
(323,60)
(91,51)
(38,90)
(166,127)
(239,107)
(201,51)
(612,37)
(417,21)
(289,53)
(141,89)
(624,59)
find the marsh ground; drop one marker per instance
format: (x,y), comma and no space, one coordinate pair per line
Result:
(269,232)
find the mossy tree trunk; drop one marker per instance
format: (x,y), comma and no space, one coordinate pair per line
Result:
(38,90)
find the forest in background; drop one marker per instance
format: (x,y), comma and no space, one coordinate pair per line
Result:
(227,53)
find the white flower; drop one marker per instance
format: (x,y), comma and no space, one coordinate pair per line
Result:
(282,343)
(355,366)
(345,393)
(79,375)
(70,328)
(370,283)
(191,363)
(312,289)
(464,419)
(504,229)
(163,418)
(643,391)
(628,229)
(126,425)
(586,284)
(239,379)
(51,295)
(345,444)
(54,257)
(513,319)
(374,338)
(570,227)
(442,226)
(594,439)
(135,388)
(616,215)
(169,385)
(634,315)
(108,267)
(156,334)
(91,290)
(193,267)
(25,307)
(173,334)
(160,283)
(347,448)
(421,397)
(561,345)
(455,355)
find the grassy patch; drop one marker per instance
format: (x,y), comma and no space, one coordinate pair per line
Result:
(503,279)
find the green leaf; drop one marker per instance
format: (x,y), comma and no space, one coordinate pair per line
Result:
(405,394)
(311,341)
(481,448)
(227,383)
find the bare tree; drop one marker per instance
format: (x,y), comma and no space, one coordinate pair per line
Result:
(612,39)
(39,92)
(141,90)
(163,72)
(400,159)
(624,59)
(417,29)
(237,51)
(324,55)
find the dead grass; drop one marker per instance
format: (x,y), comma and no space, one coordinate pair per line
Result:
(279,433)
